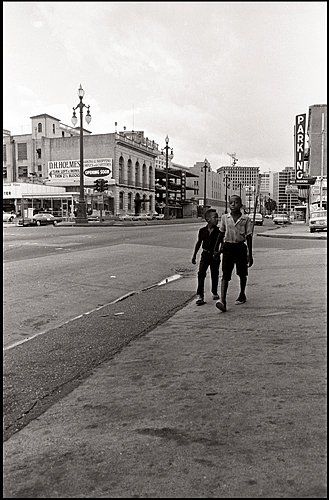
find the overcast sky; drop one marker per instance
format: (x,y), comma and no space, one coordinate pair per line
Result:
(217,77)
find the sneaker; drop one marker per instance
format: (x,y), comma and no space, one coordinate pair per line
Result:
(221,306)
(215,296)
(199,301)
(241,300)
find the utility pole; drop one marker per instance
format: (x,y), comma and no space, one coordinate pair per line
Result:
(322,155)
(205,168)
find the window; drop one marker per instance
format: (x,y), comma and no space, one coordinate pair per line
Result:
(129,168)
(4,172)
(38,153)
(137,183)
(22,171)
(63,134)
(21,151)
(144,178)
(129,201)
(121,163)
(151,177)
(121,201)
(39,127)
(54,129)
(39,168)
(4,154)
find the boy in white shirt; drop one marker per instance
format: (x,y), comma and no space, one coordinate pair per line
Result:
(236,237)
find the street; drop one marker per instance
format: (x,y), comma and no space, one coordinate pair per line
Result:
(286,303)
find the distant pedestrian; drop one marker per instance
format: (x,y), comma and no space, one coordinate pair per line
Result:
(235,234)
(208,238)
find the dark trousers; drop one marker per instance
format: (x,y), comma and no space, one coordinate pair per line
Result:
(207,260)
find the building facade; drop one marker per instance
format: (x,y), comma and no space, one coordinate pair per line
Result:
(286,202)
(317,155)
(317,140)
(209,187)
(50,156)
(242,181)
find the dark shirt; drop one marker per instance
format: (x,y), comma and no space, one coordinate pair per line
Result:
(208,239)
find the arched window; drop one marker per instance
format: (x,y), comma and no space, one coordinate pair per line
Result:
(121,167)
(151,184)
(54,129)
(39,127)
(137,183)
(121,194)
(130,201)
(129,169)
(144,181)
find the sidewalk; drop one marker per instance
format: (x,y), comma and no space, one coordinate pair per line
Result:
(299,230)
(206,405)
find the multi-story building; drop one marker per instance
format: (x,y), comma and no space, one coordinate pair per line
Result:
(242,181)
(50,156)
(212,182)
(179,203)
(286,202)
(317,140)
(317,154)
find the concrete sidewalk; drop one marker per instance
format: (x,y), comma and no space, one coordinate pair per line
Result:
(298,230)
(206,405)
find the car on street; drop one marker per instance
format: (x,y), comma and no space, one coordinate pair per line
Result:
(40,219)
(258,220)
(281,219)
(318,221)
(157,216)
(8,217)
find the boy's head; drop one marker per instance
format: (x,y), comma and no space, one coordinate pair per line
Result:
(211,217)
(235,203)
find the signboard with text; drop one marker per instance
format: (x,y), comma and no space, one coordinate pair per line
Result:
(300,148)
(67,172)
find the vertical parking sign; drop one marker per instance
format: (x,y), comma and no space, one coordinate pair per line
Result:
(300,148)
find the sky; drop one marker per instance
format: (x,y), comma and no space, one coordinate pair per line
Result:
(216,77)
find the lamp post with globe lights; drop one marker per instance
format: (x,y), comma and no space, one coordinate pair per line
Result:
(167,147)
(81,216)
(205,168)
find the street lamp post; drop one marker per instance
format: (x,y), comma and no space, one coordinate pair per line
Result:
(81,208)
(205,168)
(226,180)
(166,210)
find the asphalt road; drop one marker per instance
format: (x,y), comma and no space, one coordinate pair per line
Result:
(61,314)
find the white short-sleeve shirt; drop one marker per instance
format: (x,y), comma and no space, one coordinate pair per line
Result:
(235,232)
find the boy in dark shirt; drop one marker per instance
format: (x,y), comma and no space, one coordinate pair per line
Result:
(208,237)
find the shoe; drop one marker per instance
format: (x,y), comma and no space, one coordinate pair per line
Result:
(199,301)
(215,296)
(221,306)
(241,300)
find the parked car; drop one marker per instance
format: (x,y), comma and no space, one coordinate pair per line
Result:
(281,219)
(258,220)
(157,216)
(8,217)
(318,221)
(126,217)
(40,219)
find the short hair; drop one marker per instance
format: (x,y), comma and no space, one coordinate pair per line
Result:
(237,197)
(209,212)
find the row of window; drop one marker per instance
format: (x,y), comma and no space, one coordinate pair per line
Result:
(129,179)
(130,201)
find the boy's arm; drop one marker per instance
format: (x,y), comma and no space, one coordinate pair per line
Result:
(249,245)
(196,249)
(219,241)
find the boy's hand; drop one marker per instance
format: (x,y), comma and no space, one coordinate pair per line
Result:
(250,261)
(193,260)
